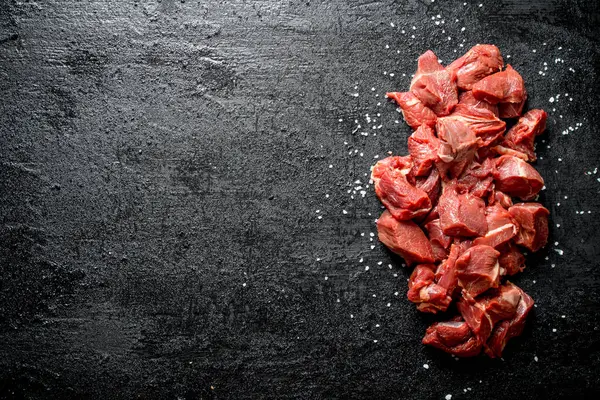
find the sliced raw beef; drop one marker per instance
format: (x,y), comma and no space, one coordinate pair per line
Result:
(517,178)
(478,270)
(423,291)
(461,214)
(509,328)
(404,238)
(505,88)
(521,136)
(480,61)
(414,112)
(453,337)
(423,148)
(501,227)
(532,219)
(434,86)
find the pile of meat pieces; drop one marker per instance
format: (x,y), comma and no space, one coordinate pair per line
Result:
(449,203)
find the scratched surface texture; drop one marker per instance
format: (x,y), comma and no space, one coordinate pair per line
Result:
(161,168)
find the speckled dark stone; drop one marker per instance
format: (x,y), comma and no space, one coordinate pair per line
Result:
(161,164)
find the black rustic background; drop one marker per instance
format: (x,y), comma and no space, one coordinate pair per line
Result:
(161,168)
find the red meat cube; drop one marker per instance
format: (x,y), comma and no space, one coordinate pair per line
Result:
(480,61)
(414,112)
(478,270)
(521,136)
(505,88)
(511,260)
(461,214)
(501,227)
(423,291)
(516,177)
(397,194)
(509,328)
(423,147)
(404,238)
(495,305)
(532,219)
(434,85)
(467,99)
(453,337)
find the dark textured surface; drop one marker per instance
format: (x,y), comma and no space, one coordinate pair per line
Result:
(161,164)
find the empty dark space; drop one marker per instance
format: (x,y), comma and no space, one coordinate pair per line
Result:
(161,168)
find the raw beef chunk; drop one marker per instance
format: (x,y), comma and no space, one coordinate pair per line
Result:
(414,112)
(434,85)
(532,219)
(478,270)
(517,178)
(480,61)
(404,238)
(521,136)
